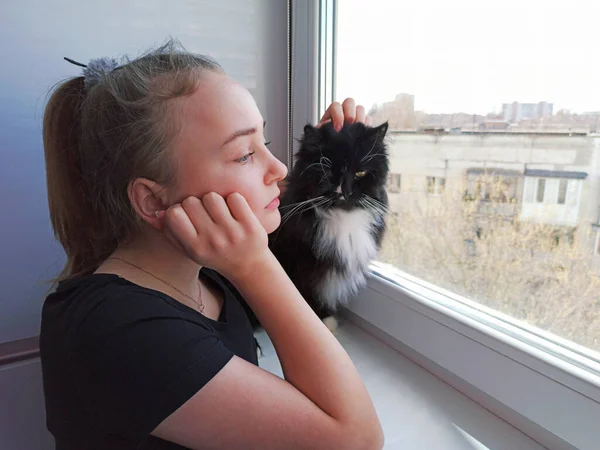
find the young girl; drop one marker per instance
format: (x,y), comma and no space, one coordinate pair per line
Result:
(162,191)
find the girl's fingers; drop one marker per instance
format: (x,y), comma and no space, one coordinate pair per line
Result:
(360,114)
(349,107)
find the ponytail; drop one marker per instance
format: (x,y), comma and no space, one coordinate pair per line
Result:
(71,213)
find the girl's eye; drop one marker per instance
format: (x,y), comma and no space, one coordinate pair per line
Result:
(267,143)
(244,159)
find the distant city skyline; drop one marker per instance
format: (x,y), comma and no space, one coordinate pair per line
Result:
(469,56)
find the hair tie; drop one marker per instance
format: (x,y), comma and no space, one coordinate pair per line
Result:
(96,69)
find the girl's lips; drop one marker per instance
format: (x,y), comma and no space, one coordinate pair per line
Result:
(274,203)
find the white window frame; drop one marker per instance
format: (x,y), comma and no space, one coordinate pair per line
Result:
(544,385)
(554,200)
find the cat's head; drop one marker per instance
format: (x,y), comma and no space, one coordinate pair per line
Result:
(346,168)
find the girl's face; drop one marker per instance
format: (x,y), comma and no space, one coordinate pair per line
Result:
(221,148)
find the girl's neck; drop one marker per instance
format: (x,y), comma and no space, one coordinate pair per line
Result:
(157,256)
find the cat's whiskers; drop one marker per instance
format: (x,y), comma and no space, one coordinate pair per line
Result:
(367,159)
(373,205)
(372,147)
(323,168)
(299,205)
(324,177)
(322,200)
(291,212)
(376,201)
(377,206)
(328,163)
(305,201)
(325,202)
(372,211)
(319,163)
(325,158)
(301,208)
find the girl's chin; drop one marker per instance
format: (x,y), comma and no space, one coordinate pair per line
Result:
(271,223)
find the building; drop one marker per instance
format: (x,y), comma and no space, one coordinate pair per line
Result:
(548,178)
(400,113)
(515,112)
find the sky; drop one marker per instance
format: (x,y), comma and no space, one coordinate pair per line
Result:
(469,56)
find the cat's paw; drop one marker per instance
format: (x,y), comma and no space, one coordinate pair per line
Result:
(331,323)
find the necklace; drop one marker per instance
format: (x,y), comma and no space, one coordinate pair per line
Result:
(198,302)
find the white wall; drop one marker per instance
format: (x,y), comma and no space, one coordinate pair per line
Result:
(247,37)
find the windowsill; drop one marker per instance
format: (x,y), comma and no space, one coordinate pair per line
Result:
(554,401)
(416,409)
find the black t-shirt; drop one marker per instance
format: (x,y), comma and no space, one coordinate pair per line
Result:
(118,358)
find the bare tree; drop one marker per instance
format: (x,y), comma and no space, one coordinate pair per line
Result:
(474,245)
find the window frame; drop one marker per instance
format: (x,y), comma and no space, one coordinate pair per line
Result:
(536,381)
(530,378)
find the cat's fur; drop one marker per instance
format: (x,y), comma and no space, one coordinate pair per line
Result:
(326,243)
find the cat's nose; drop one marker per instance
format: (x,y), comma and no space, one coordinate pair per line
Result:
(340,194)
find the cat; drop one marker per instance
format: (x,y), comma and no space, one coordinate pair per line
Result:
(333,214)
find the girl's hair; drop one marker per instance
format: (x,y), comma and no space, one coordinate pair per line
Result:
(99,139)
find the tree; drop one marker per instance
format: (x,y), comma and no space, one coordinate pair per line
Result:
(475,246)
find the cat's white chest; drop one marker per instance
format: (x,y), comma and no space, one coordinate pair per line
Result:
(346,236)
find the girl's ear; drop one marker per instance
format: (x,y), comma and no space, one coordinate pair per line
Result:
(146,198)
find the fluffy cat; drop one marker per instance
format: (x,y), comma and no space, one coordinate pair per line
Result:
(333,214)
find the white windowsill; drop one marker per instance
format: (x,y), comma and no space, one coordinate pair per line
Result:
(521,376)
(416,410)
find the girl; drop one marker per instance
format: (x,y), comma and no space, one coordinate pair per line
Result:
(162,191)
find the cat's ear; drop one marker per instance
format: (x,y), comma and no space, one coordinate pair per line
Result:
(310,131)
(380,131)
(311,137)
(376,134)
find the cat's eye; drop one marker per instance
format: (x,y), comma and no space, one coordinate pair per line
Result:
(360,174)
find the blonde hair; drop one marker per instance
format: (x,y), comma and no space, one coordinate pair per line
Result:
(98,139)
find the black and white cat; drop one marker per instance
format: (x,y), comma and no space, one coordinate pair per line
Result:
(333,214)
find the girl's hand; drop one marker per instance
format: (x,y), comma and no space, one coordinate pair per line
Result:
(224,235)
(348,112)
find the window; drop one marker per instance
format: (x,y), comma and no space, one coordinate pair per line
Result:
(557,198)
(435,185)
(490,274)
(492,185)
(541,186)
(562,192)
(517,260)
